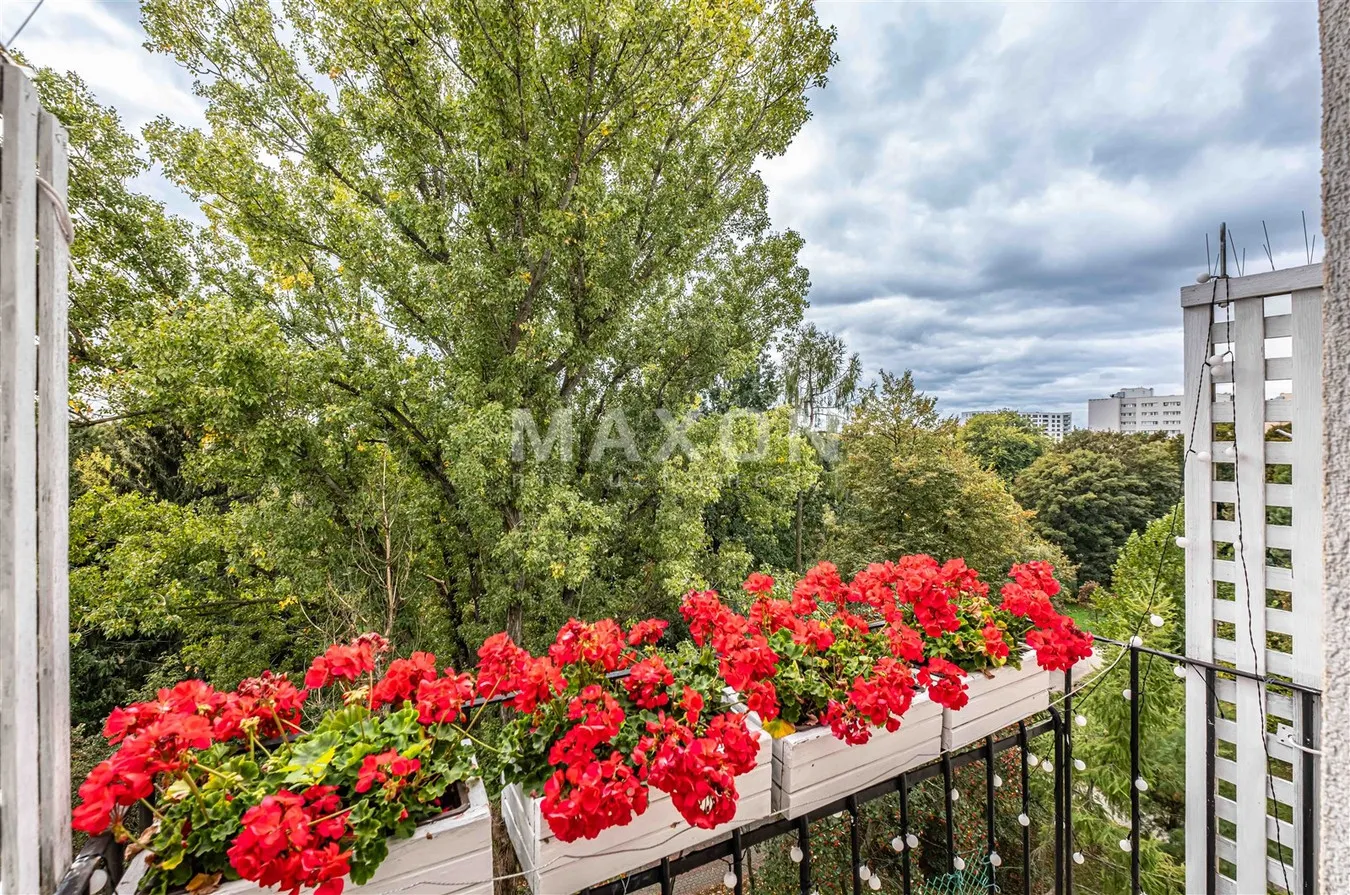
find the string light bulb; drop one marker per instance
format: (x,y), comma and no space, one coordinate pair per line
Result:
(956,794)
(1127,694)
(1024,820)
(898,844)
(1178,671)
(1155,620)
(1032,759)
(795,853)
(729,879)
(1078,857)
(911,840)
(1079,764)
(1141,784)
(1124,845)
(1202,457)
(959,862)
(1080,720)
(1136,641)
(995,859)
(874,884)
(1182,542)
(998,781)
(1215,359)
(864,872)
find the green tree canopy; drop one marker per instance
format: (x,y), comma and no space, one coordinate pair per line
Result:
(449,211)
(910,488)
(1149,585)
(1093,489)
(301,421)
(1005,442)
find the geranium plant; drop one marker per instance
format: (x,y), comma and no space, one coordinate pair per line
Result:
(241,788)
(606,715)
(851,655)
(806,660)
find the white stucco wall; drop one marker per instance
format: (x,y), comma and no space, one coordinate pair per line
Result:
(1335,796)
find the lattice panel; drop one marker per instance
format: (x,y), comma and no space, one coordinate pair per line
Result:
(1253,575)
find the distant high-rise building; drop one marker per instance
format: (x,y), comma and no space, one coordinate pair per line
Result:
(1055,425)
(1137,410)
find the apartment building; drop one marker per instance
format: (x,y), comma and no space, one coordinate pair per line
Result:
(1055,425)
(1136,410)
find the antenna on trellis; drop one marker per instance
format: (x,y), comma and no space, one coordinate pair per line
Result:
(1223,250)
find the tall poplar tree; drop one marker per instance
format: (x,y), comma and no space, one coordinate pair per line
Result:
(448,212)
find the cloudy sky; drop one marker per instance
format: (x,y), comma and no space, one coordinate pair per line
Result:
(1003,198)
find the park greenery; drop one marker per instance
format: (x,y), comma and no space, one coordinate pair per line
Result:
(482,325)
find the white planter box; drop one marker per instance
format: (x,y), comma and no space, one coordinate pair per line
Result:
(995,702)
(812,767)
(561,868)
(446,856)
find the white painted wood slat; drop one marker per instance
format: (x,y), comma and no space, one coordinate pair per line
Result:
(1225,769)
(1257,285)
(1306,490)
(1279,326)
(53,504)
(19,853)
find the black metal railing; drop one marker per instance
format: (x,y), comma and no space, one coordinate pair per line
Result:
(1058,723)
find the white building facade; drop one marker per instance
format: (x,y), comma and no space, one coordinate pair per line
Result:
(1053,424)
(1136,410)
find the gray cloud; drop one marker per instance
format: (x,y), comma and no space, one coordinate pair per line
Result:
(1003,198)
(1007,198)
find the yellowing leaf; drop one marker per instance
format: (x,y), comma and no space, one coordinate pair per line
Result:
(778,728)
(203,883)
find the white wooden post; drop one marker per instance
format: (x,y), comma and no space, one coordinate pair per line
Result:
(19,858)
(1233,312)
(53,506)
(35,230)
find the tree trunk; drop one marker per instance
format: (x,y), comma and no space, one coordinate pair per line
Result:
(799,532)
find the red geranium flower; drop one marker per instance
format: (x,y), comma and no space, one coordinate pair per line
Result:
(758,583)
(647,682)
(345,661)
(648,631)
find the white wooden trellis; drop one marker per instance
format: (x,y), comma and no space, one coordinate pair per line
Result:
(1253,368)
(34,619)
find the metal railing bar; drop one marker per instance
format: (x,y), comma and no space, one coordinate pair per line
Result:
(737,861)
(855,847)
(1308,774)
(1211,806)
(1061,856)
(1224,669)
(1026,808)
(949,806)
(804,843)
(903,783)
(1135,699)
(1068,779)
(756,835)
(989,815)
